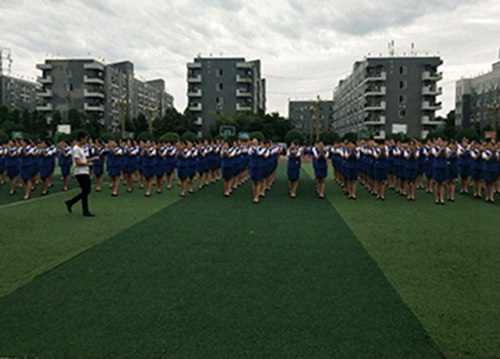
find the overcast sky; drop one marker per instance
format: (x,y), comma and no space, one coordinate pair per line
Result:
(305,47)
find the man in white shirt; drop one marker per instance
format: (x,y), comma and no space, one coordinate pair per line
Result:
(82,174)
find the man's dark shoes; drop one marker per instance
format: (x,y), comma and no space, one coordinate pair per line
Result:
(68,206)
(88,214)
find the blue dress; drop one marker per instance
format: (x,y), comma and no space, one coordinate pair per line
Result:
(293,167)
(489,167)
(411,166)
(476,166)
(381,166)
(320,164)
(439,171)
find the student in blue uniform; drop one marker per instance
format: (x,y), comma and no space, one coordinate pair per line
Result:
(439,171)
(452,171)
(148,169)
(476,169)
(65,162)
(411,155)
(26,168)
(489,171)
(98,166)
(46,167)
(12,165)
(129,162)
(351,156)
(170,159)
(464,165)
(381,156)
(256,157)
(428,164)
(113,166)
(3,152)
(227,155)
(294,154)
(320,164)
(181,165)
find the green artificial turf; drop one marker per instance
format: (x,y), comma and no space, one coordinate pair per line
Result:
(215,277)
(39,234)
(444,261)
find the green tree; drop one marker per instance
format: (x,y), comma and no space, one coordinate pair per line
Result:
(170,137)
(27,122)
(449,129)
(56,121)
(40,125)
(76,119)
(189,136)
(4,138)
(329,138)
(140,124)
(93,125)
(294,134)
(350,136)
(258,135)
(145,136)
(4,114)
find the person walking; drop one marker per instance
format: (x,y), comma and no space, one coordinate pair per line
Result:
(81,166)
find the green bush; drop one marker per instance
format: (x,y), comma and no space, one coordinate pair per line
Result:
(4,138)
(145,136)
(258,135)
(170,137)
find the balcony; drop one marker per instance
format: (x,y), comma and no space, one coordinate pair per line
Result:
(46,107)
(93,66)
(198,121)
(243,107)
(428,106)
(44,66)
(380,120)
(382,76)
(243,79)
(93,80)
(375,91)
(244,65)
(194,79)
(432,76)
(243,93)
(427,120)
(88,93)
(89,107)
(379,135)
(46,93)
(194,107)
(432,91)
(194,93)
(375,106)
(44,80)
(194,65)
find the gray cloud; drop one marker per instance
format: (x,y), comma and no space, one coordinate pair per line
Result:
(305,46)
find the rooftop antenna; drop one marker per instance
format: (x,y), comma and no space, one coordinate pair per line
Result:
(391,48)
(413,49)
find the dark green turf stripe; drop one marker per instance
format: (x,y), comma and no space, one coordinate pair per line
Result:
(212,277)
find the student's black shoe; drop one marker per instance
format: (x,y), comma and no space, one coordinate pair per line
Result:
(89,214)
(68,206)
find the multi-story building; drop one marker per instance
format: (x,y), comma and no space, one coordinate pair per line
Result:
(389,95)
(106,90)
(474,98)
(18,93)
(304,115)
(223,85)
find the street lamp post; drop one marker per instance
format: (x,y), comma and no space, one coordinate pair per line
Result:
(150,110)
(318,108)
(123,103)
(494,107)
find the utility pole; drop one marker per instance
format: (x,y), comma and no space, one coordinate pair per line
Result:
(123,103)
(494,107)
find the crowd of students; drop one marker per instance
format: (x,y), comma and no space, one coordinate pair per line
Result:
(435,166)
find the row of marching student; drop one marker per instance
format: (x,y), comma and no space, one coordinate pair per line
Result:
(435,166)
(404,166)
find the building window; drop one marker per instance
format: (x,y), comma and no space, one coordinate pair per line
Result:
(68,87)
(219,86)
(402,85)
(403,70)
(402,99)
(219,100)
(402,113)
(219,73)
